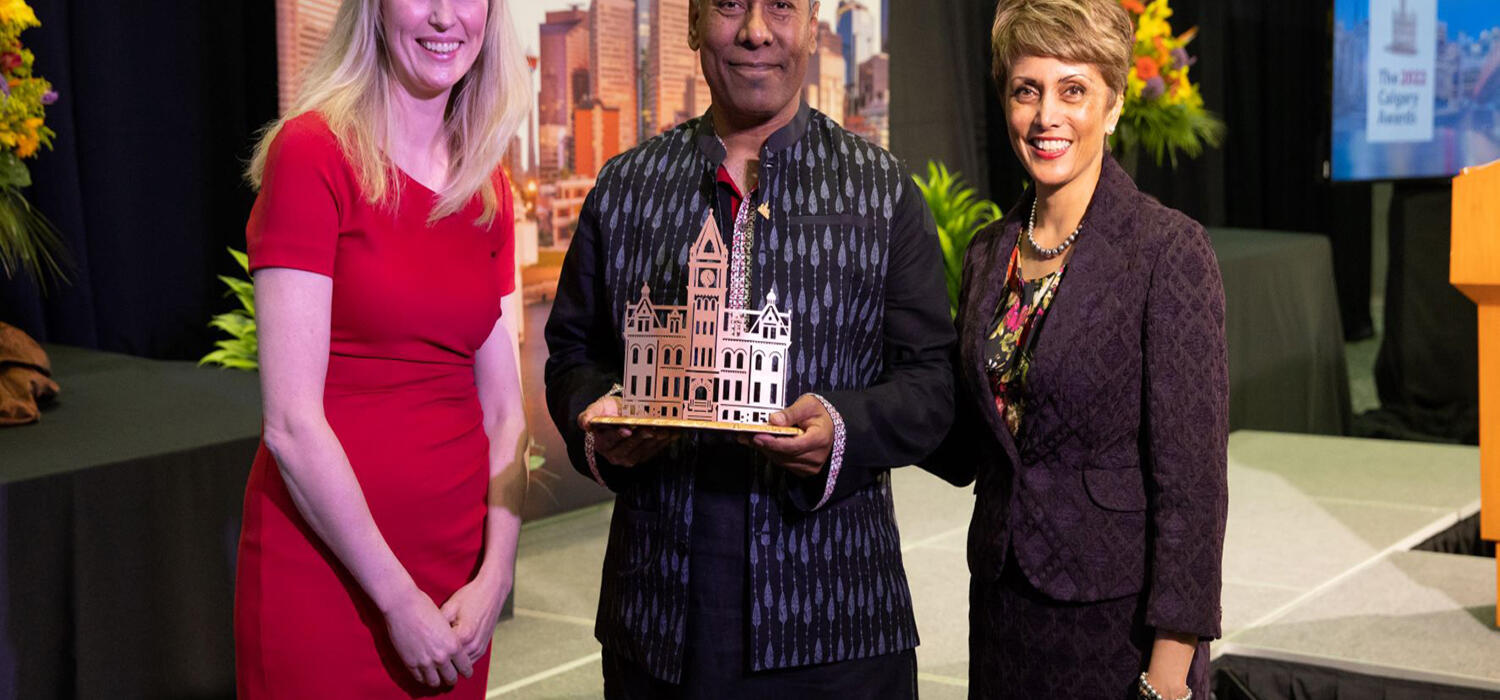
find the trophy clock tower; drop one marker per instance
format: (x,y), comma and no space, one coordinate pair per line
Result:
(707,263)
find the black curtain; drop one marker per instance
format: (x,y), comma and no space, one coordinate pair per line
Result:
(160,101)
(941,95)
(1264,67)
(1427,372)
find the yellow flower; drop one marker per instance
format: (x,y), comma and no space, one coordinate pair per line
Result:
(1153,23)
(19,13)
(26,146)
(8,139)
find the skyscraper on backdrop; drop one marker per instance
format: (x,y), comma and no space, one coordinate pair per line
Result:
(858,37)
(827,72)
(869,110)
(642,46)
(673,79)
(612,57)
(565,49)
(885,25)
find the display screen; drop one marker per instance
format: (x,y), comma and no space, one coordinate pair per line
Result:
(1416,87)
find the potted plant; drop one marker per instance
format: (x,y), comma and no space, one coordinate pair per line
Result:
(241,348)
(959,214)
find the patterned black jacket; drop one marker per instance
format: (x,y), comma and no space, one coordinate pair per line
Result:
(850,249)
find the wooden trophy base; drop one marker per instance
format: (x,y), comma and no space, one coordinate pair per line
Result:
(680,424)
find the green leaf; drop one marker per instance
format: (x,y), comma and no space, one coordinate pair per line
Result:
(238,286)
(1165,131)
(28,241)
(244,291)
(535,454)
(235,323)
(229,360)
(13,172)
(242,259)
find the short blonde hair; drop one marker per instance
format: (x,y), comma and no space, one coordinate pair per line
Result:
(349,83)
(1097,32)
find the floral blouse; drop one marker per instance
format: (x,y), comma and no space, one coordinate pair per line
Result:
(1018,322)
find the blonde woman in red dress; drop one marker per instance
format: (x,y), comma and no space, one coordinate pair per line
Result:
(383,508)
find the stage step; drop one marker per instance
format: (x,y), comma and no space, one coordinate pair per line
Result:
(1330,581)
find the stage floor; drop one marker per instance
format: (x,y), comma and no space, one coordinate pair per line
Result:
(1316,570)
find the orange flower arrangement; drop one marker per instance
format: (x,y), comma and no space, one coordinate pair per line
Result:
(27,240)
(1164,112)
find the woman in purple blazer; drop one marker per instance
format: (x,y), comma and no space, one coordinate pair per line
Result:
(1093,394)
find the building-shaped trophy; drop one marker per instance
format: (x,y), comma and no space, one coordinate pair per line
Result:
(1403,31)
(702,364)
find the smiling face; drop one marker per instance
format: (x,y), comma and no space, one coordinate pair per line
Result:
(754,53)
(1059,115)
(432,43)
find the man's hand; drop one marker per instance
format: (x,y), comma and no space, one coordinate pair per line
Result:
(623,446)
(805,454)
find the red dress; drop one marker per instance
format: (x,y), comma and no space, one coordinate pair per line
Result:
(410,307)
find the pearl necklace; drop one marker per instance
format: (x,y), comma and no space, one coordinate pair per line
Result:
(1048,253)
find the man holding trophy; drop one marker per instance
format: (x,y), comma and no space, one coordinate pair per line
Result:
(795,264)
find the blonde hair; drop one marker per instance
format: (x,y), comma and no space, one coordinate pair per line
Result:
(349,81)
(1097,32)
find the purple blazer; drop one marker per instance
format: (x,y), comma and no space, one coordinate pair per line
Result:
(1116,483)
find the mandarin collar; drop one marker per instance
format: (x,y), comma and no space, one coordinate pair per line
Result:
(785,137)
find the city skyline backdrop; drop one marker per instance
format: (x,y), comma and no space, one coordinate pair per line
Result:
(530,16)
(608,74)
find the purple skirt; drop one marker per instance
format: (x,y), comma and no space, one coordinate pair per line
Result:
(1024,644)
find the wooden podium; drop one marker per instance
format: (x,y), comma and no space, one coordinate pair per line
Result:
(1475,270)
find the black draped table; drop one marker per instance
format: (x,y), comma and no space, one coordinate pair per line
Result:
(1286,344)
(119,514)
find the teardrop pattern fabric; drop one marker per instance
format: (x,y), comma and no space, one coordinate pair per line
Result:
(825,586)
